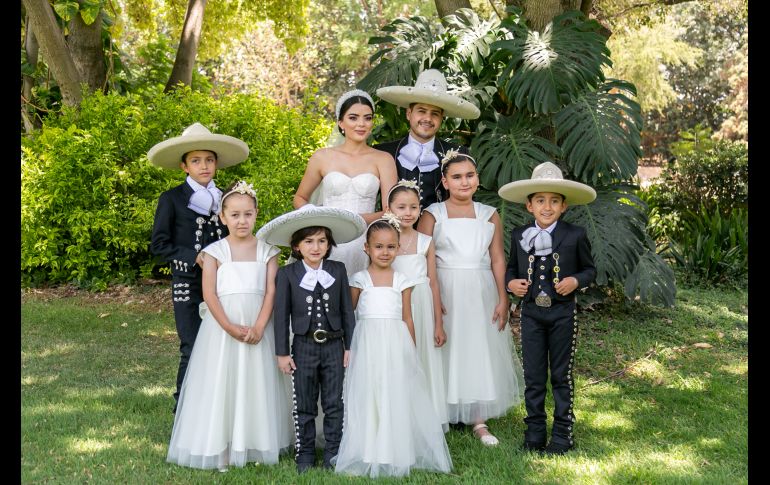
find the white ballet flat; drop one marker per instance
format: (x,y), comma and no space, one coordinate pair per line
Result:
(487,439)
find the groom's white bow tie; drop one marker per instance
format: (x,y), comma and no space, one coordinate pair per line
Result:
(313,276)
(415,154)
(538,238)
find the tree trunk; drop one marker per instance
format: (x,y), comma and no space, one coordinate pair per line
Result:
(446,7)
(539,13)
(31,49)
(55,51)
(85,43)
(188,45)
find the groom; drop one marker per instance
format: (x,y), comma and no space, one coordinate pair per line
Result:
(418,155)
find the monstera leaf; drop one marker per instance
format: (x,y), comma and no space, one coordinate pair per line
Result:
(599,133)
(652,281)
(508,149)
(513,215)
(547,70)
(472,36)
(412,44)
(615,223)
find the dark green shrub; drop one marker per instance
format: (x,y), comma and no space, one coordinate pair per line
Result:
(89,193)
(712,248)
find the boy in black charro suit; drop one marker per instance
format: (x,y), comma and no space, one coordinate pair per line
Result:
(186,221)
(549,260)
(313,299)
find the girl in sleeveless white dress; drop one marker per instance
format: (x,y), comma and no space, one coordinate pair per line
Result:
(390,426)
(234,405)
(484,377)
(417,260)
(349,176)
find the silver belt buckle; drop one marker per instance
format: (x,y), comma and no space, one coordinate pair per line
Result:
(543,300)
(320,335)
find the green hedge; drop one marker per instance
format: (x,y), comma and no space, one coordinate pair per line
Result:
(89,193)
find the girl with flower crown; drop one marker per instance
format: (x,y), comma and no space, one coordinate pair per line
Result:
(234,402)
(350,175)
(417,260)
(390,425)
(483,375)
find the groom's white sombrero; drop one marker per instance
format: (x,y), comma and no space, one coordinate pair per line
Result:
(168,154)
(344,224)
(430,88)
(547,177)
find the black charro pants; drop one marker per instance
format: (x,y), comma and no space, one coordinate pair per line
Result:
(187,297)
(548,340)
(318,366)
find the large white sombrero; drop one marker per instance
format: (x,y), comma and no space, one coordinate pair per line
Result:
(547,177)
(168,154)
(344,224)
(430,88)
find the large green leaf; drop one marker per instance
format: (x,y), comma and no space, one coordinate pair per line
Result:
(652,281)
(547,70)
(600,134)
(508,148)
(410,46)
(473,37)
(615,223)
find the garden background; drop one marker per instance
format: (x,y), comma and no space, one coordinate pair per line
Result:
(646,102)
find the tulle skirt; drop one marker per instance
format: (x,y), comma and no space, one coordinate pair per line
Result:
(390,423)
(234,405)
(483,374)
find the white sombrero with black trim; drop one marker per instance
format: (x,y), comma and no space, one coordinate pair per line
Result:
(547,177)
(430,88)
(168,154)
(344,224)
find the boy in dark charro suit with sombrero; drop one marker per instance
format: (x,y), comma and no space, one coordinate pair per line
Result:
(549,260)
(186,221)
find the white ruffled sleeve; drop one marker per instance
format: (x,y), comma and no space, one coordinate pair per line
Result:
(359,280)
(220,250)
(265,251)
(401,282)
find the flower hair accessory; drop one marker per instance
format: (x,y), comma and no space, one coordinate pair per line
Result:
(452,154)
(351,94)
(391,219)
(410,184)
(242,187)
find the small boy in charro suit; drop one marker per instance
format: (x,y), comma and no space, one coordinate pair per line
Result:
(549,260)
(186,221)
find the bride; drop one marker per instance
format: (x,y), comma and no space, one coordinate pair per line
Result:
(349,175)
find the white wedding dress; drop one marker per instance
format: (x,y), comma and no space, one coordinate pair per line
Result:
(357,194)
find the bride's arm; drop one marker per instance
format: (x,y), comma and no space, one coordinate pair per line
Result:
(310,180)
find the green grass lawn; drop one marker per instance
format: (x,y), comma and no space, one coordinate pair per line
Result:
(652,407)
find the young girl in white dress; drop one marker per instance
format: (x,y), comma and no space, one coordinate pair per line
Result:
(417,260)
(390,425)
(484,377)
(234,404)
(349,175)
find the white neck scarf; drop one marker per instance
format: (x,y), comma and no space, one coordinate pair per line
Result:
(313,276)
(205,200)
(416,154)
(538,238)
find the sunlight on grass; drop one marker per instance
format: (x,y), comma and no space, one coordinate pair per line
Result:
(691,383)
(737,368)
(58,349)
(155,390)
(38,380)
(609,421)
(89,445)
(650,370)
(714,443)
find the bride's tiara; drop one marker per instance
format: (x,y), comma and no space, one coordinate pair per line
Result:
(351,94)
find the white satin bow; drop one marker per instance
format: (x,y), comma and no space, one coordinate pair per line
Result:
(205,200)
(538,238)
(415,154)
(313,276)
